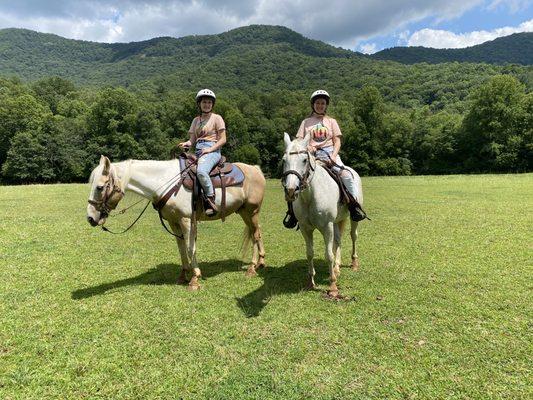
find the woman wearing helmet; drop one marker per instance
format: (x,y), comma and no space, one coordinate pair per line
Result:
(325,143)
(208,134)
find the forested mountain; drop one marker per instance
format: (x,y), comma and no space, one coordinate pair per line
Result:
(64,102)
(253,58)
(513,49)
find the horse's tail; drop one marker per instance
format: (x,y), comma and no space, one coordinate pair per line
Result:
(247,240)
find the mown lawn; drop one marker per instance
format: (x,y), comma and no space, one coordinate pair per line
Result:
(441,307)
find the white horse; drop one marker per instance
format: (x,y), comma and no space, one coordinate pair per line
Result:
(152,179)
(315,196)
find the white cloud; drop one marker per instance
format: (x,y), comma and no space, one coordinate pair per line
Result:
(440,39)
(340,22)
(513,5)
(369,48)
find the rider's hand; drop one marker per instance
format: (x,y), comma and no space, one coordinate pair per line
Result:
(205,151)
(184,145)
(311,149)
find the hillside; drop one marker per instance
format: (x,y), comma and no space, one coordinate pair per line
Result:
(512,49)
(253,58)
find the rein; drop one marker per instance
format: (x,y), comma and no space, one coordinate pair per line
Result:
(105,208)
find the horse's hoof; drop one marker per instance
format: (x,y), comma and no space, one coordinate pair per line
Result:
(250,272)
(182,281)
(261,265)
(355,264)
(193,288)
(333,294)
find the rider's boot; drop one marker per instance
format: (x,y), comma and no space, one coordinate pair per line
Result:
(210,206)
(356,211)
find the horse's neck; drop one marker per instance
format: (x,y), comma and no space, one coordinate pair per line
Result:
(320,185)
(150,179)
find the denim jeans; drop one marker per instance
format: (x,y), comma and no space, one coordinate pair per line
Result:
(205,165)
(347,178)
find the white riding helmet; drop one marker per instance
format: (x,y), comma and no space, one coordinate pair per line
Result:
(205,93)
(320,93)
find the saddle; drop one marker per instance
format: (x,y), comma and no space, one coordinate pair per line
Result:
(356,211)
(345,196)
(223,175)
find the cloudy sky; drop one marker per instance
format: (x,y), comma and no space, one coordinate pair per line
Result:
(354,24)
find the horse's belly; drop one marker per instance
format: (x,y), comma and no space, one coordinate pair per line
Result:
(180,206)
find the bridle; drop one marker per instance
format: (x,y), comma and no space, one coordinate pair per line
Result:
(112,194)
(304,179)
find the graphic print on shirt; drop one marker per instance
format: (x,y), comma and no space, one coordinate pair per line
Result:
(319,132)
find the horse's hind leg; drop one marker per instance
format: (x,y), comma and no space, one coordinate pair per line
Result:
(353,235)
(185,266)
(250,216)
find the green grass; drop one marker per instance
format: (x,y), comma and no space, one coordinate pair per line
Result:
(441,307)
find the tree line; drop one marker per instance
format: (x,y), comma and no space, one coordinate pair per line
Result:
(53,131)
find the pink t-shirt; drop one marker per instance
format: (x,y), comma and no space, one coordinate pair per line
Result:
(322,130)
(209,128)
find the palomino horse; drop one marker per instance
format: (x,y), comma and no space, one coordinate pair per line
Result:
(152,179)
(315,197)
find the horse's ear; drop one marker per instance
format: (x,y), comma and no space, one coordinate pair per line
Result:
(286,139)
(106,163)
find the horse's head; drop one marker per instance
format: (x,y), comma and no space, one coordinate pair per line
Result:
(105,192)
(298,164)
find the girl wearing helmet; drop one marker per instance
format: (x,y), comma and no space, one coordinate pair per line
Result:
(325,143)
(208,135)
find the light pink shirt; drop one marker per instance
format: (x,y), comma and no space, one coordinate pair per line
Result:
(207,129)
(322,129)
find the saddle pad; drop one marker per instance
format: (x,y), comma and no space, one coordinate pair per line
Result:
(233,177)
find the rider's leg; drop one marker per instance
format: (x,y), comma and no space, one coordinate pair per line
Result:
(356,211)
(205,165)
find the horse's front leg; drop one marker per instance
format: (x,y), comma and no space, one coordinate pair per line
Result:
(328,234)
(353,234)
(338,231)
(182,247)
(307,233)
(189,240)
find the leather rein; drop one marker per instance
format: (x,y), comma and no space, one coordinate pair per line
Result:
(112,190)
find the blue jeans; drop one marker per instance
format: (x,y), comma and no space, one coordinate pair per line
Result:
(205,165)
(347,177)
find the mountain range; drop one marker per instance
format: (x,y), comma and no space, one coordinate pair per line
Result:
(256,56)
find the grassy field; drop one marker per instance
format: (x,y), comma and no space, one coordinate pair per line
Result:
(441,307)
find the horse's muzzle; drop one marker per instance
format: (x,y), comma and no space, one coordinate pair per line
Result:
(91,221)
(291,194)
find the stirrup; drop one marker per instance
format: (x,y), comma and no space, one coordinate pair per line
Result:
(356,212)
(210,207)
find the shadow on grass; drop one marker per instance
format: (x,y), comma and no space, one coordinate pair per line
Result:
(163,274)
(290,278)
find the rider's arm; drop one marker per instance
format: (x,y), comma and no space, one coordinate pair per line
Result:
(192,136)
(337,135)
(336,147)
(221,140)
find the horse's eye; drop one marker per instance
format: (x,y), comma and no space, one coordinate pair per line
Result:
(99,188)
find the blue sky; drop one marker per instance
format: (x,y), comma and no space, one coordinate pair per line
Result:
(354,24)
(486,20)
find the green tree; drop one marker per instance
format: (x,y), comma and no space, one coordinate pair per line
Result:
(493,131)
